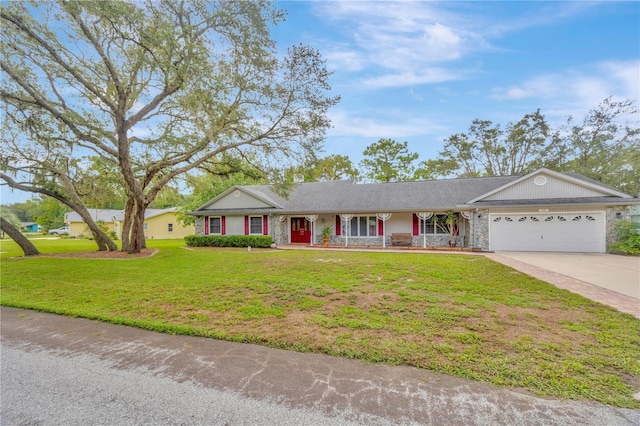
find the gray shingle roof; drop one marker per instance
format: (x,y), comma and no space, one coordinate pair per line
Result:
(434,195)
(347,196)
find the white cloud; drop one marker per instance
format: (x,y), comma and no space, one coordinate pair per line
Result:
(411,78)
(344,60)
(588,85)
(408,42)
(397,125)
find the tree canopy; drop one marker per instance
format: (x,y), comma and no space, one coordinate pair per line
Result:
(157,88)
(488,149)
(604,146)
(388,161)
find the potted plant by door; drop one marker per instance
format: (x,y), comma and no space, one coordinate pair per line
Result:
(326,233)
(451,222)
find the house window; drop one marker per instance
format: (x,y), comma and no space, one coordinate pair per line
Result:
(361,226)
(215,225)
(145,226)
(255,225)
(170,227)
(435,225)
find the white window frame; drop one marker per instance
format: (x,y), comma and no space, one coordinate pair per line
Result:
(170,227)
(210,218)
(251,225)
(354,231)
(438,229)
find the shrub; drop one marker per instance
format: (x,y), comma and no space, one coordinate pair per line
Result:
(262,241)
(628,239)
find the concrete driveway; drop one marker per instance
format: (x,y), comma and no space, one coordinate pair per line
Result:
(606,278)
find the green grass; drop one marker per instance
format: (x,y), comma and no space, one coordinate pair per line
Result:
(462,315)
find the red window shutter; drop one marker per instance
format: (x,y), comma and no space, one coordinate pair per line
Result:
(223,225)
(380,228)
(246,225)
(265,225)
(416,225)
(206,225)
(338,225)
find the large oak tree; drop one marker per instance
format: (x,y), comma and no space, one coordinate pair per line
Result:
(162,87)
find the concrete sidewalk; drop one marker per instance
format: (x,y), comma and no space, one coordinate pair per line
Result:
(337,388)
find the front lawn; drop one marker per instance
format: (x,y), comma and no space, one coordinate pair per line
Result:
(462,315)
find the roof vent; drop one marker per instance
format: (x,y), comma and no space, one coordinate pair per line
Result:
(298,178)
(540,180)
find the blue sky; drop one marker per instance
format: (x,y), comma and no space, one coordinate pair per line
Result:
(420,71)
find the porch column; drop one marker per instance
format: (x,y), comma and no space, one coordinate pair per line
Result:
(467,215)
(384,217)
(281,219)
(423,216)
(346,218)
(312,219)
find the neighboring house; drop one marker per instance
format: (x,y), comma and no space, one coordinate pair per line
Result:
(158,223)
(30,227)
(540,211)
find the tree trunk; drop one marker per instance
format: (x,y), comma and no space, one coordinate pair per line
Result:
(102,240)
(133,240)
(126,224)
(27,246)
(137,231)
(74,202)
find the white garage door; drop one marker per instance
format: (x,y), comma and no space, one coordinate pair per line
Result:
(576,232)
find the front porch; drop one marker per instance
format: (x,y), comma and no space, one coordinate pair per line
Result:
(379,248)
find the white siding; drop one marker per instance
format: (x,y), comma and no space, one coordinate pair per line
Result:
(242,201)
(553,188)
(235,225)
(399,223)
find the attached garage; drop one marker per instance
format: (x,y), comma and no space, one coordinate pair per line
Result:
(568,232)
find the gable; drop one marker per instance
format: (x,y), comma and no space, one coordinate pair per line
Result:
(544,186)
(236,199)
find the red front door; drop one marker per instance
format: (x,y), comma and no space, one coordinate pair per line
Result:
(300,230)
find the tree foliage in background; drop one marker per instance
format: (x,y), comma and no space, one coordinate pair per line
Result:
(604,146)
(388,161)
(44,166)
(335,167)
(489,150)
(332,167)
(161,88)
(217,178)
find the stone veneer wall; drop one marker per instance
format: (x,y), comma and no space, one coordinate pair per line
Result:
(199,225)
(479,237)
(278,230)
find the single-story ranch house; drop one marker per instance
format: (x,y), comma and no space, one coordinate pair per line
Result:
(158,223)
(540,211)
